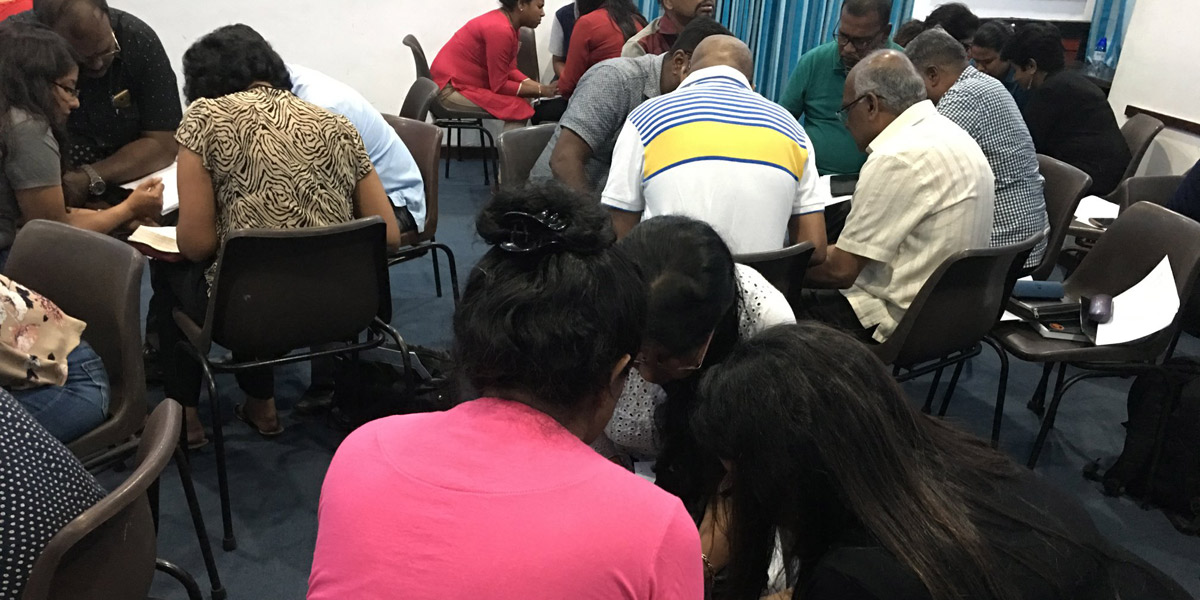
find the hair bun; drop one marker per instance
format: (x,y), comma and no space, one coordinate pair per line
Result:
(545,217)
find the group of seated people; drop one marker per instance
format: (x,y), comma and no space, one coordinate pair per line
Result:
(609,321)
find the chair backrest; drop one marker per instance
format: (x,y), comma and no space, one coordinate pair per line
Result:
(419,60)
(1129,249)
(1157,189)
(108,552)
(527,55)
(958,305)
(1065,187)
(1139,131)
(97,279)
(280,289)
(519,150)
(424,142)
(419,99)
(784,268)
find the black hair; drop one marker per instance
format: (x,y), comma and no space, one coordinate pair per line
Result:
(906,32)
(229,60)
(33,59)
(993,34)
(956,19)
(693,292)
(1041,42)
(552,307)
(861,8)
(622,12)
(51,12)
(695,32)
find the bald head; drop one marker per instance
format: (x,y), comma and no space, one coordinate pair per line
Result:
(890,76)
(726,50)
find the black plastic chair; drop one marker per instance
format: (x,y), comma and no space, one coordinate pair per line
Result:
(418,100)
(951,316)
(455,119)
(1065,187)
(424,142)
(1158,189)
(282,289)
(1135,243)
(784,268)
(1139,132)
(108,552)
(527,55)
(520,150)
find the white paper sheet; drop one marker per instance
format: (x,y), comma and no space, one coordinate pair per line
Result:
(170,187)
(1143,309)
(1095,207)
(1007,316)
(824,188)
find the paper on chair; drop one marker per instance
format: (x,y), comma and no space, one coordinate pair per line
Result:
(1146,308)
(1095,207)
(160,238)
(170,187)
(824,187)
(1007,316)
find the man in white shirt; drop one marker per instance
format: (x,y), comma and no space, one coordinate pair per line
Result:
(716,151)
(925,193)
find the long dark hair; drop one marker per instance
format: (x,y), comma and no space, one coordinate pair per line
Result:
(32,60)
(693,292)
(622,12)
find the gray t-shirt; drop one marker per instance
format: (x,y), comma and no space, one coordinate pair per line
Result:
(602,100)
(30,158)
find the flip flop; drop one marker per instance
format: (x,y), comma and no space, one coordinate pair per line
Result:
(240,413)
(198,444)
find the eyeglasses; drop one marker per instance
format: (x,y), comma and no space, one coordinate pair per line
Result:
(843,113)
(116,49)
(861,44)
(74,92)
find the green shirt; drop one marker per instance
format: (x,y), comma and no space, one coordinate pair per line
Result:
(814,94)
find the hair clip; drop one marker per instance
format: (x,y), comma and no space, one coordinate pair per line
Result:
(530,233)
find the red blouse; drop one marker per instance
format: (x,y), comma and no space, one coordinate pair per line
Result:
(12,7)
(480,61)
(596,38)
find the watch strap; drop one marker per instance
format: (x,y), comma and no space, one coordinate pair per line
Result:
(96,185)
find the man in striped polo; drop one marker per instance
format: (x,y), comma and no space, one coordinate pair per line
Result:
(716,151)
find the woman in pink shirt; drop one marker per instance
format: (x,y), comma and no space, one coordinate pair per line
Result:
(477,68)
(501,497)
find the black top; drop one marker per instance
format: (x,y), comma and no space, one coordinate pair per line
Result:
(857,568)
(42,488)
(1187,199)
(1070,119)
(104,122)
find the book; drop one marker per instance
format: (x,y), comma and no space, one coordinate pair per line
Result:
(161,239)
(1040,309)
(170,183)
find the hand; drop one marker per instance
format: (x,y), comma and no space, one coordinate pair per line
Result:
(550,91)
(75,188)
(714,533)
(146,201)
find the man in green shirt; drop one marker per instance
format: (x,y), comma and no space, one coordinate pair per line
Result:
(814,92)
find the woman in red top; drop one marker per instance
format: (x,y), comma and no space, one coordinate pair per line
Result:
(9,8)
(601,31)
(477,68)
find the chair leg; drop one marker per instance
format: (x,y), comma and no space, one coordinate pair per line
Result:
(189,492)
(449,148)
(492,155)
(1174,343)
(1048,420)
(437,273)
(1001,391)
(1037,403)
(483,148)
(937,379)
(228,542)
(958,368)
(453,268)
(183,577)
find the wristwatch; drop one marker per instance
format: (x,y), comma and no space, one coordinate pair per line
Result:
(96,187)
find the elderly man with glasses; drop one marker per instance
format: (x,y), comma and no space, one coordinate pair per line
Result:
(129,107)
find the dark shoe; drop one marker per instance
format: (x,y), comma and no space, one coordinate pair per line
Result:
(153,368)
(314,402)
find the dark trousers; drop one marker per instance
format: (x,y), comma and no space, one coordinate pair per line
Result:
(832,308)
(183,285)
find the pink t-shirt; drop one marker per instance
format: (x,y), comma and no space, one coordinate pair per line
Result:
(494,499)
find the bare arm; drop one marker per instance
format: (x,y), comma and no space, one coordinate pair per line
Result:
(370,200)
(47,203)
(154,151)
(197,229)
(839,271)
(624,221)
(809,228)
(568,162)
(559,64)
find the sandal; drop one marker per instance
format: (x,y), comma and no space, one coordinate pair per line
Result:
(240,413)
(197,444)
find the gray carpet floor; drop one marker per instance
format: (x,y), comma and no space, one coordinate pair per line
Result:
(275,484)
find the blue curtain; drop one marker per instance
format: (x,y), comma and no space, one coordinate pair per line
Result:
(778,31)
(1109,20)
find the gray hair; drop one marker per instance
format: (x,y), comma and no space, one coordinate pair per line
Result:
(895,82)
(936,47)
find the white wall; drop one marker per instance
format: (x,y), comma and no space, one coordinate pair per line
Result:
(356,41)
(1158,72)
(1048,10)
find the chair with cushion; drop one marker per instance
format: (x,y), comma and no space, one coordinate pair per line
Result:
(1139,132)
(455,119)
(784,268)
(108,552)
(276,290)
(418,100)
(424,142)
(952,314)
(520,150)
(1135,243)
(1065,187)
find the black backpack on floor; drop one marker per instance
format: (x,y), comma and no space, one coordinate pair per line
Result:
(1160,463)
(372,385)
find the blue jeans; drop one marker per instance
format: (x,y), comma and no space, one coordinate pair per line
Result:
(77,407)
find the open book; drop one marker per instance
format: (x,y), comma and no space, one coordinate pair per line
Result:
(170,187)
(161,239)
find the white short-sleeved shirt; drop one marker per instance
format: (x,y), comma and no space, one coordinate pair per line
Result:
(717,151)
(925,193)
(631,428)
